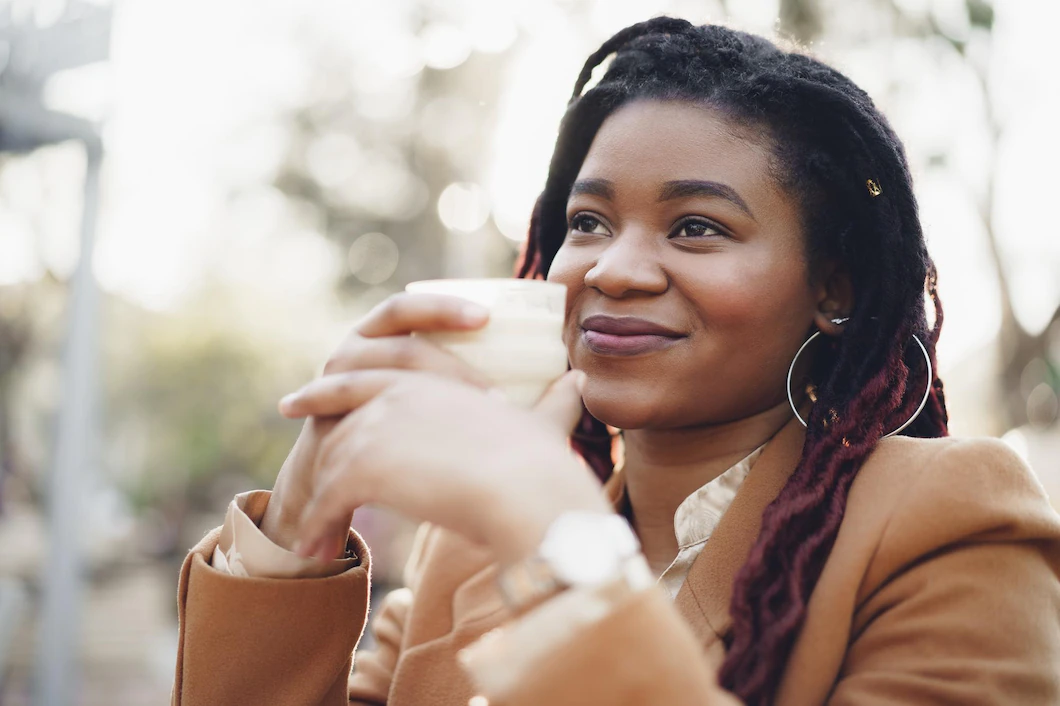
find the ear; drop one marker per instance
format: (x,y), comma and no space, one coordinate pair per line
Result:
(835,297)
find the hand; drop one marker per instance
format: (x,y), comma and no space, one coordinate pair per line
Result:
(444,452)
(380,340)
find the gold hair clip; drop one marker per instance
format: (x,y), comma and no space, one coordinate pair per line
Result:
(874,188)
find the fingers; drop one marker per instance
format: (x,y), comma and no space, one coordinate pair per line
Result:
(402,314)
(561,404)
(331,546)
(403,353)
(325,526)
(338,394)
(325,519)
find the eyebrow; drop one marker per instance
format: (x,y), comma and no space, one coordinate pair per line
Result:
(683,188)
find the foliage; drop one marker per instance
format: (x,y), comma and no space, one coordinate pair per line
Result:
(191,404)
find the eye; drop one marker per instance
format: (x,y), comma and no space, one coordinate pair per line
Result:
(585,223)
(696,228)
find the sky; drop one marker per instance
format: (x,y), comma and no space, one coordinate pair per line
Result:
(190,97)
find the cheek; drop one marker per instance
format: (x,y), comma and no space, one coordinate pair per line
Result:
(569,268)
(754,314)
(751,291)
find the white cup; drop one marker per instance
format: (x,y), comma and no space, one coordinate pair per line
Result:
(521,348)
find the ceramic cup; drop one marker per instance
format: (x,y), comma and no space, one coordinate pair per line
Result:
(521,348)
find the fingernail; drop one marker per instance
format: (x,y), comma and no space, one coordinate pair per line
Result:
(287,402)
(474,313)
(580,378)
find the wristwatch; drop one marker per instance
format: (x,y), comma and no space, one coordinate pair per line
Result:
(580,549)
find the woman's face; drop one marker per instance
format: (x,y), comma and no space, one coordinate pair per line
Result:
(688,289)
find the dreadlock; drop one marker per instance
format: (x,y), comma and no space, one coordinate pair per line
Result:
(829,140)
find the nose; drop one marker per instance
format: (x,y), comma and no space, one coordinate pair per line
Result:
(629,264)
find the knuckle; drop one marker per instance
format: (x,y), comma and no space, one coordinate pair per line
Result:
(392,307)
(333,365)
(382,313)
(406,353)
(344,358)
(347,385)
(363,323)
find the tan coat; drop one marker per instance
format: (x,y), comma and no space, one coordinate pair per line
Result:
(942,587)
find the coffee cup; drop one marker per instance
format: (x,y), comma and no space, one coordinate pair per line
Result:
(521,347)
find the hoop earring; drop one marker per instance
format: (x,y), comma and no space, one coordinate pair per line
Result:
(919,409)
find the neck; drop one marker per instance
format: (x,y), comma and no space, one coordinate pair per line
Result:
(662,467)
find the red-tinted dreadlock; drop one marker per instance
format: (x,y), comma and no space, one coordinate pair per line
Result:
(829,139)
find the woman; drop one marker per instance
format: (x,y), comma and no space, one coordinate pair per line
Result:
(712,203)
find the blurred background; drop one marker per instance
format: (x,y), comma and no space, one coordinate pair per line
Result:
(199,198)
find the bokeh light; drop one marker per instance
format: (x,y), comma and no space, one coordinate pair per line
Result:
(444,46)
(373,258)
(463,206)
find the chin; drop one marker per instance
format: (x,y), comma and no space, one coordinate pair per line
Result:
(624,406)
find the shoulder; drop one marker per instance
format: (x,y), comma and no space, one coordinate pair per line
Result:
(909,457)
(930,494)
(956,477)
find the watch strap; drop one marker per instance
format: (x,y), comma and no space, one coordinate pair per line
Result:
(574,538)
(528,583)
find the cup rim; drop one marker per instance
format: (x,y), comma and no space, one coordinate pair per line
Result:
(528,294)
(496,283)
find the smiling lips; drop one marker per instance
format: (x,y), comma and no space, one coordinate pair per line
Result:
(627,335)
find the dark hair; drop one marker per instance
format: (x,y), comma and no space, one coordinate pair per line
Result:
(829,140)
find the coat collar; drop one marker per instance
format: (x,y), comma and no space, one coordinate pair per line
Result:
(705,596)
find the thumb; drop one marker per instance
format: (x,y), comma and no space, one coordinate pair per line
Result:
(561,404)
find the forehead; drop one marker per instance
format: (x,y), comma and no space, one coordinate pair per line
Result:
(648,142)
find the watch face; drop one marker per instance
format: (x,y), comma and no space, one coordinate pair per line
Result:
(588,548)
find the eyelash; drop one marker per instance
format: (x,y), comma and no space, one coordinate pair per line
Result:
(683,223)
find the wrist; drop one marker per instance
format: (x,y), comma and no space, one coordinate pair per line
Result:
(581,550)
(521,525)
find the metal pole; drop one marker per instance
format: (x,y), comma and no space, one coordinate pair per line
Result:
(58,671)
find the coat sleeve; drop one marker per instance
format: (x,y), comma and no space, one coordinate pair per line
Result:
(640,653)
(374,670)
(255,640)
(963,608)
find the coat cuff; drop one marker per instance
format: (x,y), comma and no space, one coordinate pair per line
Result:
(503,658)
(244,550)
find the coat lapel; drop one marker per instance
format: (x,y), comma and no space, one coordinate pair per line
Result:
(705,596)
(707,591)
